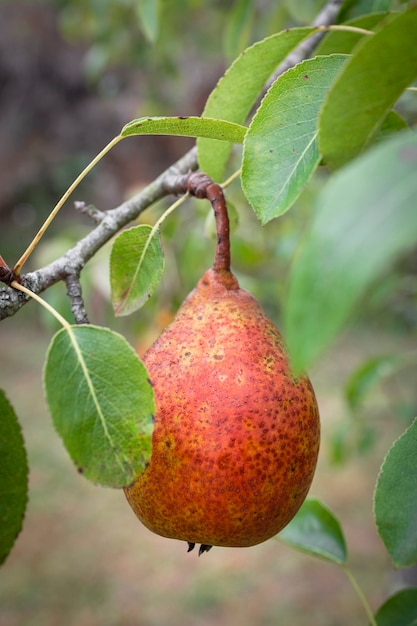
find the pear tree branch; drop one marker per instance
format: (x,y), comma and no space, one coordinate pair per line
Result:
(73,261)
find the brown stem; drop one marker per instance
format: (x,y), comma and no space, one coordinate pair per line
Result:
(218,202)
(200,185)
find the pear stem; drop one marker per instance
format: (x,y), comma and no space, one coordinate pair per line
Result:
(200,185)
(222,255)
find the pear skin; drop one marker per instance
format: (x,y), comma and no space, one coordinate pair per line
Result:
(236,434)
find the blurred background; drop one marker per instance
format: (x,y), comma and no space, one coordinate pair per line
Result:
(72,73)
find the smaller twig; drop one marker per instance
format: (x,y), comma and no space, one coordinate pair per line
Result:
(90,210)
(74,292)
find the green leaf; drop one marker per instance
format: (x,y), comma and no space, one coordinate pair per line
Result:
(237,91)
(186,127)
(395,500)
(101,402)
(399,610)
(317,531)
(148,15)
(13,477)
(366,219)
(304,11)
(136,266)
(356,8)
(280,150)
(370,373)
(382,66)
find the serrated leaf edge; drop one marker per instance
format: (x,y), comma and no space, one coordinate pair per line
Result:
(381,470)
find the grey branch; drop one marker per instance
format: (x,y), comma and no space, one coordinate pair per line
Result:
(73,261)
(69,266)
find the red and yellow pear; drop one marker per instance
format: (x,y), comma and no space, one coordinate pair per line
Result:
(236,434)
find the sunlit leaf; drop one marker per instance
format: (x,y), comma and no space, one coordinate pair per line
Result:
(365,219)
(186,127)
(280,149)
(13,477)
(381,68)
(101,402)
(136,266)
(399,610)
(316,531)
(237,91)
(395,500)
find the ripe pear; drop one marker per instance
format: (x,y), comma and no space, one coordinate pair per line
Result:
(236,433)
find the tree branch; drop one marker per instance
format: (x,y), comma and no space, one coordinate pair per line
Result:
(69,266)
(72,262)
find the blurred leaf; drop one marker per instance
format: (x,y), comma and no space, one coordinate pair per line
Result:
(344,42)
(317,531)
(148,15)
(395,500)
(101,402)
(237,91)
(382,66)
(399,610)
(304,10)
(370,373)
(350,437)
(13,477)
(366,219)
(280,150)
(356,8)
(340,441)
(136,266)
(186,127)
(237,29)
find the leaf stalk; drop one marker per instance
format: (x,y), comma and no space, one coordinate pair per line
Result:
(361,595)
(18,266)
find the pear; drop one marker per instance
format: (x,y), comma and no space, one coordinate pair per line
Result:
(236,433)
